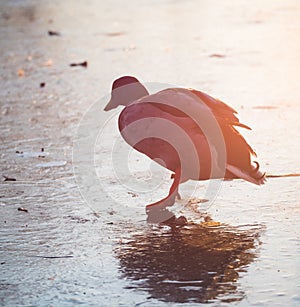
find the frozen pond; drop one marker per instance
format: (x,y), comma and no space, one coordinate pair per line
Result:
(67,239)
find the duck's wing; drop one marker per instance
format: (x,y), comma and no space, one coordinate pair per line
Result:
(220,109)
(176,100)
(192,105)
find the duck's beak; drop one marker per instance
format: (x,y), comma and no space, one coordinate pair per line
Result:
(109,106)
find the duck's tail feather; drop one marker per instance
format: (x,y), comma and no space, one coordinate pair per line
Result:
(254,176)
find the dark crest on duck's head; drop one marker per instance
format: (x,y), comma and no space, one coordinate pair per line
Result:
(124,91)
(125,80)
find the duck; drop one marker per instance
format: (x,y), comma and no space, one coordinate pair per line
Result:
(186,131)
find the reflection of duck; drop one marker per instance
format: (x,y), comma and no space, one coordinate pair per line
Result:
(186,131)
(197,263)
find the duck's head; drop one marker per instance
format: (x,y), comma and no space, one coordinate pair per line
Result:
(124,91)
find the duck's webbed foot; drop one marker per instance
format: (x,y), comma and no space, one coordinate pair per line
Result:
(162,204)
(164,217)
(157,211)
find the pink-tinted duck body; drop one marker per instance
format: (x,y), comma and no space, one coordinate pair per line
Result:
(187,131)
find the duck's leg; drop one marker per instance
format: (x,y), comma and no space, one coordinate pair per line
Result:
(170,199)
(178,195)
